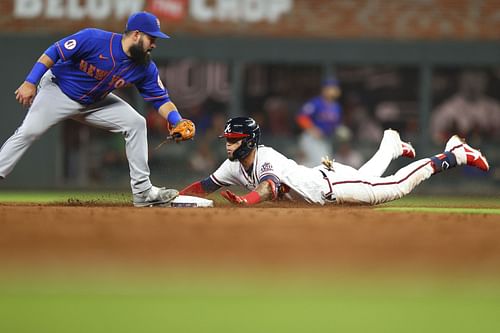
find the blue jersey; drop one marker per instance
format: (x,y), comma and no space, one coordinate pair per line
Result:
(325,115)
(92,64)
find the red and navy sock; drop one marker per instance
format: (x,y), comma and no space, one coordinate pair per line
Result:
(443,161)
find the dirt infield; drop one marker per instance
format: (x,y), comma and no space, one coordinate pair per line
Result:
(329,238)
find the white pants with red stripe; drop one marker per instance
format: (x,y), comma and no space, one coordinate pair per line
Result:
(367,186)
(355,186)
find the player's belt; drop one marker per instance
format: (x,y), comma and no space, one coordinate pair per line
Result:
(54,80)
(329,196)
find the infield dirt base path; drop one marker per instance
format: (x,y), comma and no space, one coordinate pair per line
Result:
(329,238)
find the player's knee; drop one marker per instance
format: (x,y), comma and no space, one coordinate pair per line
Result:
(135,126)
(30,134)
(138,123)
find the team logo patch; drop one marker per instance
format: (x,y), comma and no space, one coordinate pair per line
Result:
(266,167)
(70,44)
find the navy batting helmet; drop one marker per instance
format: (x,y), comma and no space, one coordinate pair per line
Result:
(244,128)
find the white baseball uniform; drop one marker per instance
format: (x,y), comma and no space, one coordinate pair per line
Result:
(340,183)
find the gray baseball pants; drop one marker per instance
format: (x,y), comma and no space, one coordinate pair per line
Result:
(51,106)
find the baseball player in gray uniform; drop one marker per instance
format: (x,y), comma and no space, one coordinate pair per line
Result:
(76,76)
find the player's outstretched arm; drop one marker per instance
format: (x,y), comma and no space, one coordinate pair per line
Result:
(263,192)
(27,90)
(200,188)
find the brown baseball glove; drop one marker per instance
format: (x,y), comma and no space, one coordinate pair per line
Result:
(183,130)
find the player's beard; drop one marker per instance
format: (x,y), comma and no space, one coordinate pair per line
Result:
(138,55)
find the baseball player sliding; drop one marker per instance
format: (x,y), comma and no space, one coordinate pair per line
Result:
(269,175)
(76,77)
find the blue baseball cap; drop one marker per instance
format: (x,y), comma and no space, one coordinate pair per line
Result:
(145,22)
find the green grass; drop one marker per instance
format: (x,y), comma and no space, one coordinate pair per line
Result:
(446,201)
(247,306)
(52,197)
(444,205)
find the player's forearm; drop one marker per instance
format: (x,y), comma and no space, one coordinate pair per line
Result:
(265,191)
(195,189)
(201,188)
(304,122)
(169,112)
(41,66)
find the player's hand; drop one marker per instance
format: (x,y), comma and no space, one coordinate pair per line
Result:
(183,130)
(233,198)
(26,93)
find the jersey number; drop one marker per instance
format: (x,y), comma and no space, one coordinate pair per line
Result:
(70,44)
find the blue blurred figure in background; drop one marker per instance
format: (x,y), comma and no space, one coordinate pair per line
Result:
(318,118)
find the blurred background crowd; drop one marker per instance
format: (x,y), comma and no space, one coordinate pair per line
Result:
(320,77)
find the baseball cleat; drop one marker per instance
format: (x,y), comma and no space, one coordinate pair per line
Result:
(453,143)
(475,158)
(408,150)
(467,154)
(155,196)
(392,141)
